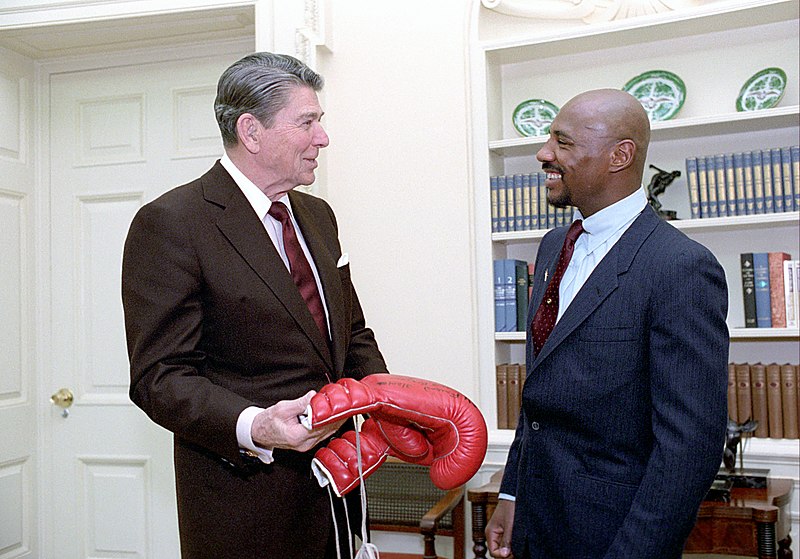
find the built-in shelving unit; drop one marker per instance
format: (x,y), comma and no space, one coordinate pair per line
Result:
(714,48)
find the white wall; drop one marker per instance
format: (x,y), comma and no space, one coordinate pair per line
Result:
(397,177)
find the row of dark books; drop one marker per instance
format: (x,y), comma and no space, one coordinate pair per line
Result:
(767,394)
(509,380)
(745,183)
(519,203)
(512,281)
(771,289)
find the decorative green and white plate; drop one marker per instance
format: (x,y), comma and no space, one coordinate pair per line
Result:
(763,90)
(661,93)
(534,117)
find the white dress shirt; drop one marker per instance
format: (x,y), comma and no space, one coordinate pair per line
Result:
(261,204)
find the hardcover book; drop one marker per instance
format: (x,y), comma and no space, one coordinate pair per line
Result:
(702,187)
(744,402)
(774,401)
(758,182)
(748,289)
(694,192)
(789,400)
(777,296)
(769,187)
(758,389)
(733,413)
(502,395)
(514,402)
(761,279)
(749,193)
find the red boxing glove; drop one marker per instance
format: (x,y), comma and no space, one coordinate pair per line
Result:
(337,463)
(407,410)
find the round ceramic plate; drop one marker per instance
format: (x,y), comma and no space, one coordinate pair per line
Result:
(661,93)
(534,116)
(762,91)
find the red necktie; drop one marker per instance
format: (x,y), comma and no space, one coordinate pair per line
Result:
(301,270)
(545,318)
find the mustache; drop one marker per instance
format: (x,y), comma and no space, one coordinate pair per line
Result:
(551,167)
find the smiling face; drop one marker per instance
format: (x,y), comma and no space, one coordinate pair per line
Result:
(592,156)
(288,150)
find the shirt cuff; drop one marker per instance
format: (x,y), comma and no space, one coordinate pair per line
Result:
(506,496)
(243,429)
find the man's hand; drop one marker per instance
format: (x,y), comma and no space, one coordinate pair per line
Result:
(498,531)
(278,426)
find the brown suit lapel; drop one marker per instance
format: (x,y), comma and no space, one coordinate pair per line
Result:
(241,226)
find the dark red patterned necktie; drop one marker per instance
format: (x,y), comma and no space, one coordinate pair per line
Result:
(545,318)
(301,270)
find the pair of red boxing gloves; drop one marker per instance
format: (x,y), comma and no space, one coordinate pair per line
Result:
(415,420)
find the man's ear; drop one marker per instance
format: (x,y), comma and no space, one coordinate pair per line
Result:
(623,155)
(247,130)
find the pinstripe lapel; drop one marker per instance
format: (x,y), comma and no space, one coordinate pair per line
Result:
(602,281)
(241,226)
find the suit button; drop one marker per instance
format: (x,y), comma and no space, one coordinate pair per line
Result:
(535,425)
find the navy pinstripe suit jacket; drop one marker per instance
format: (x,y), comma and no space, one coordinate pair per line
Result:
(624,409)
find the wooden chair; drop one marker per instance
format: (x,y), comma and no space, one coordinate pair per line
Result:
(402,498)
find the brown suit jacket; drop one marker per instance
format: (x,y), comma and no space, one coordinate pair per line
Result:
(215,324)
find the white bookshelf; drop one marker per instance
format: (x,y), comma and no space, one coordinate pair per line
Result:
(714,48)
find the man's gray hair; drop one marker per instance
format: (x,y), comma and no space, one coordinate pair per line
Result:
(258,84)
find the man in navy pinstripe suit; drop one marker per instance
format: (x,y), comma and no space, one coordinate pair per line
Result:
(624,406)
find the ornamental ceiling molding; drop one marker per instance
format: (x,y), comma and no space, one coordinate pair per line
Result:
(589,11)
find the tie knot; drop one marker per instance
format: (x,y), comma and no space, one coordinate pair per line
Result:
(575,230)
(279,211)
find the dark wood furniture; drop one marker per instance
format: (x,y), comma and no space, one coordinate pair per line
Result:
(755,523)
(402,498)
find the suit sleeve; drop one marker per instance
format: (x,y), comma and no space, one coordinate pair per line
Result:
(688,353)
(161,293)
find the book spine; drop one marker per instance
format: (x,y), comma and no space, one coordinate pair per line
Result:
(738,181)
(789,401)
(502,395)
(526,202)
(730,184)
(794,155)
(499,296)
(744,402)
(733,413)
(543,205)
(777,180)
(774,401)
(789,289)
(534,188)
(777,299)
(531,272)
(786,173)
(711,180)
(722,186)
(510,279)
(519,216)
(769,187)
(521,294)
(502,217)
(702,186)
(514,402)
(511,204)
(758,388)
(748,289)
(761,279)
(749,194)
(493,200)
(758,182)
(691,183)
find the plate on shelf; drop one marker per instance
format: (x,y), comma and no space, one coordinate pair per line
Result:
(534,117)
(763,90)
(661,93)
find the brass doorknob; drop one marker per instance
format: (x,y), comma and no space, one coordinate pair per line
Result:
(63,398)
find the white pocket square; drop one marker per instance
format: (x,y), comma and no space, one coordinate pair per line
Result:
(344,260)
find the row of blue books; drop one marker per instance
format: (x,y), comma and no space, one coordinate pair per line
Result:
(519,203)
(511,294)
(746,183)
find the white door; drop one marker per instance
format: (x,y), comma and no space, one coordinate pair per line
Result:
(120,136)
(18,394)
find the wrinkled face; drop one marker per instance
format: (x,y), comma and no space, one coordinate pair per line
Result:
(576,157)
(292,144)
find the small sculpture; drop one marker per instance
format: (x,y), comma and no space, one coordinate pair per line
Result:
(658,184)
(733,437)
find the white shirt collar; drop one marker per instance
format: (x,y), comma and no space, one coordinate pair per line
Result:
(258,200)
(603,224)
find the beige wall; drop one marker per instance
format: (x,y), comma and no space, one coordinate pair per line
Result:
(397,177)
